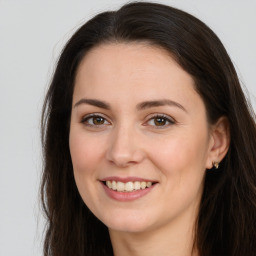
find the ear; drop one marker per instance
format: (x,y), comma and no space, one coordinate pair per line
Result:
(219,142)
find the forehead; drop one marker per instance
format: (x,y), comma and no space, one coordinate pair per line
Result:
(133,59)
(135,71)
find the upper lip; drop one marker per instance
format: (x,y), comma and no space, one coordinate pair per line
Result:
(127,179)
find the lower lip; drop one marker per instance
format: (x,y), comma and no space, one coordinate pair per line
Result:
(127,196)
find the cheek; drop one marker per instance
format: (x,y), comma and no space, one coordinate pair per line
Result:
(184,153)
(86,151)
(182,162)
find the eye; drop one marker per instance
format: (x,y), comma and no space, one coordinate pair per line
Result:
(160,121)
(94,120)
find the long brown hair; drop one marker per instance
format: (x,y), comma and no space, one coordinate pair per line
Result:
(226,223)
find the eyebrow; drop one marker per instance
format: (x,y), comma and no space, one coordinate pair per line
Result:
(93,102)
(140,106)
(159,103)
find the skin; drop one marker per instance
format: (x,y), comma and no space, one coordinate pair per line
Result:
(128,141)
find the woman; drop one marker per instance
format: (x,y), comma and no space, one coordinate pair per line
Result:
(148,139)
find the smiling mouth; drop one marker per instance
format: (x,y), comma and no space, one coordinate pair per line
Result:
(129,186)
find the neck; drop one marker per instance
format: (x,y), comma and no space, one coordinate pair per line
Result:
(172,240)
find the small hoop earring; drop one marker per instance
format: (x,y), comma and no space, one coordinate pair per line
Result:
(215,165)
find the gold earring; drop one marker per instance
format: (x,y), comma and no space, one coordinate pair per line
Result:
(215,165)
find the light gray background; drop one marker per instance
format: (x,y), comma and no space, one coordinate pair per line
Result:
(31,36)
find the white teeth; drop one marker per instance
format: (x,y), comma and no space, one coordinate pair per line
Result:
(120,186)
(136,185)
(113,185)
(128,186)
(149,184)
(143,184)
(109,184)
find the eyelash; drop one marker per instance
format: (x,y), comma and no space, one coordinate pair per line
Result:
(86,119)
(165,118)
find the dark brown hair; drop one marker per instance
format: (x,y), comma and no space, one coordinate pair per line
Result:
(226,223)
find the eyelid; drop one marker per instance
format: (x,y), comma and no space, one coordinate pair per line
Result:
(88,116)
(150,117)
(168,118)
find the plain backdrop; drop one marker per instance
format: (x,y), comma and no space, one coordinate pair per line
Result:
(32,34)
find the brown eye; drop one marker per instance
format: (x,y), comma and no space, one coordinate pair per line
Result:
(98,120)
(160,121)
(94,120)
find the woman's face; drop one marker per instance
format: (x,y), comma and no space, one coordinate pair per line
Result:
(139,139)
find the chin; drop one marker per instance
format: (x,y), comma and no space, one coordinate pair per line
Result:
(128,228)
(130,224)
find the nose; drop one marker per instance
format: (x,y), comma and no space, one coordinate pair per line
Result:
(125,147)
